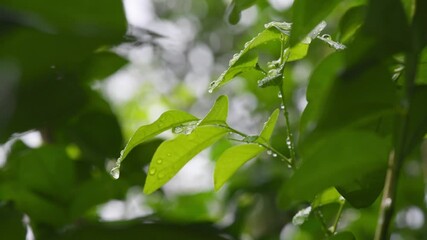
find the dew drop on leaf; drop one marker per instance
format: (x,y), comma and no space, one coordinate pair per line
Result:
(115,172)
(159,161)
(269,152)
(279,95)
(152,171)
(160,175)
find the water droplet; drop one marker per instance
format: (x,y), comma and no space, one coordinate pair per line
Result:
(269,152)
(159,161)
(169,155)
(152,171)
(274,155)
(282,106)
(387,202)
(160,175)
(177,129)
(289,166)
(279,95)
(273,72)
(210,90)
(288,141)
(326,36)
(115,172)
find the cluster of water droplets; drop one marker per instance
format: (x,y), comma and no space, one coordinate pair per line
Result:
(115,171)
(284,27)
(186,128)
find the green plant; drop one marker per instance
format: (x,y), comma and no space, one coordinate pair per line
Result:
(364,118)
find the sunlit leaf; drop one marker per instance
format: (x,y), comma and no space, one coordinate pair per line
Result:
(218,113)
(267,131)
(232,159)
(173,154)
(328,196)
(246,60)
(166,121)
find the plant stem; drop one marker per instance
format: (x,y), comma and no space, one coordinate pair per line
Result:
(337,219)
(387,202)
(289,138)
(266,146)
(397,156)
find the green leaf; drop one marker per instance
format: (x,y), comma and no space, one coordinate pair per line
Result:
(166,121)
(11,225)
(267,131)
(335,159)
(343,236)
(307,14)
(232,159)
(218,113)
(350,23)
(235,8)
(173,154)
(417,119)
(365,189)
(297,52)
(328,196)
(246,59)
(153,230)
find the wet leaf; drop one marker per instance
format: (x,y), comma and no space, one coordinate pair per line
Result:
(267,131)
(232,159)
(166,121)
(218,113)
(173,154)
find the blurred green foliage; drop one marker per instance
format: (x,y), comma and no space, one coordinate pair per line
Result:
(363,102)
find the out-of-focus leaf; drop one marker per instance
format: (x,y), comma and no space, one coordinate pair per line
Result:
(235,8)
(246,59)
(380,27)
(267,131)
(350,102)
(94,192)
(173,154)
(39,182)
(350,23)
(97,133)
(417,119)
(320,82)
(131,229)
(343,236)
(335,159)
(218,113)
(103,64)
(166,121)
(11,225)
(420,24)
(232,159)
(187,208)
(307,14)
(365,189)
